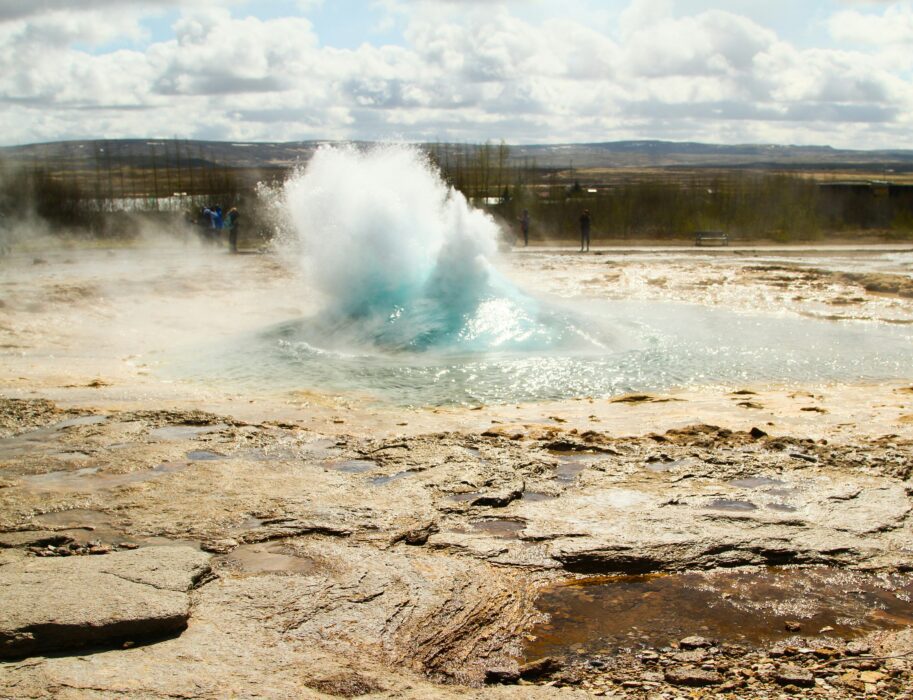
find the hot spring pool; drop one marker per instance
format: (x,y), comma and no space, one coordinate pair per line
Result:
(629,347)
(418,313)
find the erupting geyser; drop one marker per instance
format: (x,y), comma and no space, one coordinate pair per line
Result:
(404,261)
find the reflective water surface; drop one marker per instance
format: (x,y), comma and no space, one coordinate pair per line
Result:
(602,615)
(597,349)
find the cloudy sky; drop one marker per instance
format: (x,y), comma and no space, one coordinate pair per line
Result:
(837,72)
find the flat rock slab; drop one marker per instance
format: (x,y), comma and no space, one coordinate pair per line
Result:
(52,604)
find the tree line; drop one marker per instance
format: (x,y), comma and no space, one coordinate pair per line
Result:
(96,190)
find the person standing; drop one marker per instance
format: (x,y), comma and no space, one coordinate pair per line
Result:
(524,226)
(585,230)
(231,223)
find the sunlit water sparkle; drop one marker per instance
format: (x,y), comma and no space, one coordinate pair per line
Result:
(640,346)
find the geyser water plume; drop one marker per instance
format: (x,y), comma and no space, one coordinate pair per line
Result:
(404,262)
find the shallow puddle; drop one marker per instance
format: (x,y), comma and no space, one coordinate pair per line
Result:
(48,437)
(506,529)
(731,505)
(465,497)
(537,497)
(84,525)
(266,558)
(89,480)
(389,478)
(603,615)
(80,420)
(74,518)
(351,466)
(322,448)
(184,432)
(756,482)
(782,507)
(570,464)
(204,455)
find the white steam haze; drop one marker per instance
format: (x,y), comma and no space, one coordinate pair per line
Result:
(379,228)
(836,72)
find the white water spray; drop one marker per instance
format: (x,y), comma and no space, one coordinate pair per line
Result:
(381,231)
(404,261)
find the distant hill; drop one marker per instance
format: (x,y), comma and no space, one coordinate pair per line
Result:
(85,155)
(666,154)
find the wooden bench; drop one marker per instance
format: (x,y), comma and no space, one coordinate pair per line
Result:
(719,237)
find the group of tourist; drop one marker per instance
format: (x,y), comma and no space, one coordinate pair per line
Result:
(584,228)
(213,222)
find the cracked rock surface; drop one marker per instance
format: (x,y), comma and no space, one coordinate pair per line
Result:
(53,604)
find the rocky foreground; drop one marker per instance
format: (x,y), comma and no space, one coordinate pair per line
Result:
(186,554)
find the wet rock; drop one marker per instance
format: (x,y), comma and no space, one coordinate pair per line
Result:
(692,677)
(135,596)
(857,648)
(498,499)
(540,668)
(695,642)
(794,675)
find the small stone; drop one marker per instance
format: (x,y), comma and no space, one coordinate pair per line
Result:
(851,680)
(757,433)
(857,648)
(871,676)
(782,650)
(792,626)
(793,675)
(896,666)
(826,652)
(690,657)
(127,545)
(692,677)
(732,685)
(695,642)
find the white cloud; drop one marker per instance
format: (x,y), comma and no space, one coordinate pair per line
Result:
(894,26)
(465,70)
